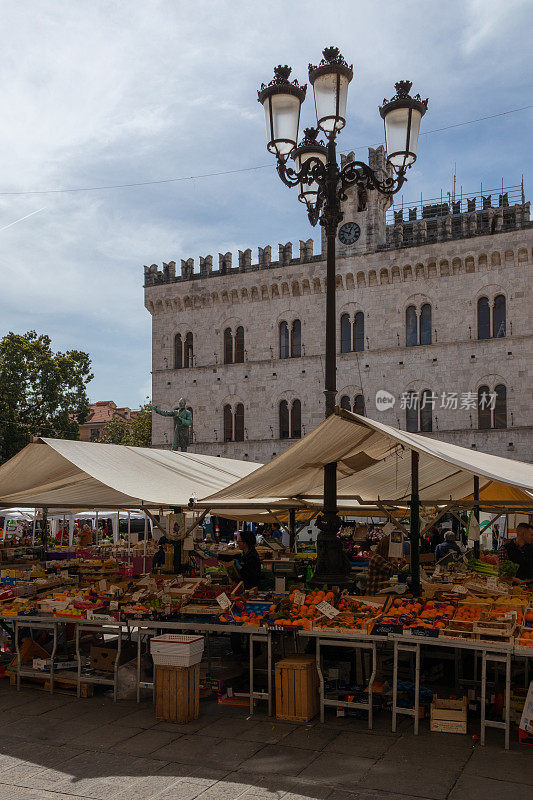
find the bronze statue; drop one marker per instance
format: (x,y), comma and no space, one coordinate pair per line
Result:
(182,422)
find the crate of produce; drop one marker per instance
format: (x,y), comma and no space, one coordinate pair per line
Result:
(297,698)
(448,716)
(501,628)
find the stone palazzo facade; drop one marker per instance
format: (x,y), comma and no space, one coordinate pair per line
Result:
(433,307)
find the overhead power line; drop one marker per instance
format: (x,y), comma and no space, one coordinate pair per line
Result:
(235,171)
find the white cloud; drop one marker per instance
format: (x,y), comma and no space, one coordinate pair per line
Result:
(110,93)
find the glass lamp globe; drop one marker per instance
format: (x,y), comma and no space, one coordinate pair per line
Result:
(330,80)
(402,116)
(281,100)
(308,149)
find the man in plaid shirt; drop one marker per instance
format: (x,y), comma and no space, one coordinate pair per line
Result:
(380,568)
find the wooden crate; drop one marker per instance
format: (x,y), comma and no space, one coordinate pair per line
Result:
(297,698)
(448,716)
(61,685)
(177,693)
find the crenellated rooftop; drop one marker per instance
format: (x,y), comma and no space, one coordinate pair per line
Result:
(409,225)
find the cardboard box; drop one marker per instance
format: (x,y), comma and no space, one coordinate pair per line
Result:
(104,657)
(448,716)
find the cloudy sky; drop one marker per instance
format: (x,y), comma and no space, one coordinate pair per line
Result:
(104,93)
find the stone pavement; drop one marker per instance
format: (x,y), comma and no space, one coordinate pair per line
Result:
(60,748)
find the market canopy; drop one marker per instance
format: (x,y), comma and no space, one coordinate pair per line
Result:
(374,465)
(63,473)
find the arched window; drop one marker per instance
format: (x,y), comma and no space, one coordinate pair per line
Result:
(359,404)
(228,346)
(483,318)
(239,347)
(283,340)
(425,324)
(178,352)
(346,334)
(187,351)
(359,332)
(411,412)
(498,317)
(500,408)
(239,422)
(284,431)
(228,424)
(345,403)
(411,325)
(296,420)
(483,408)
(426,411)
(296,339)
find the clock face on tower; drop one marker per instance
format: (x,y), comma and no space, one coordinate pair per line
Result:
(349,233)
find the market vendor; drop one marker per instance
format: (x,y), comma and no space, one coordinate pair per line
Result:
(380,567)
(250,568)
(449,545)
(158,559)
(520,551)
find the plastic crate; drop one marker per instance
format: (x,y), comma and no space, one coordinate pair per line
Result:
(177,659)
(177,644)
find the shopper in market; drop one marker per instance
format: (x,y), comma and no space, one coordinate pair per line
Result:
(380,567)
(250,566)
(520,551)
(449,545)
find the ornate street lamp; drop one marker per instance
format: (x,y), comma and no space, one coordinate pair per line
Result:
(322,187)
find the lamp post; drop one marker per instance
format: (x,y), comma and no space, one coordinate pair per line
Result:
(322,187)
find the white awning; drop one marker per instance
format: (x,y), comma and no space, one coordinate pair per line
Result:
(62,473)
(374,463)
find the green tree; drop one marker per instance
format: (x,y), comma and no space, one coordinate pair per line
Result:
(41,393)
(116,431)
(136,432)
(141,427)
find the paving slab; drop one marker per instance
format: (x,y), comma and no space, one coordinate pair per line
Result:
(502,765)
(410,779)
(207,750)
(145,742)
(311,738)
(104,737)
(474,787)
(186,727)
(278,759)
(360,744)
(334,769)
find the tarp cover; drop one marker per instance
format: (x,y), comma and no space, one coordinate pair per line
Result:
(374,462)
(63,473)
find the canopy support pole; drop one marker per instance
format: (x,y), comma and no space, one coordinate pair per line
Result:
(96,525)
(33,527)
(144,542)
(415,525)
(391,519)
(292,530)
(155,521)
(44,532)
(476,512)
(128,545)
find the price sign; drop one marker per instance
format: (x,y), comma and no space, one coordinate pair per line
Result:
(457,589)
(224,601)
(492,583)
(327,609)
(299,598)
(113,605)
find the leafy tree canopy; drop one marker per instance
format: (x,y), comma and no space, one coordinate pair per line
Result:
(41,393)
(136,432)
